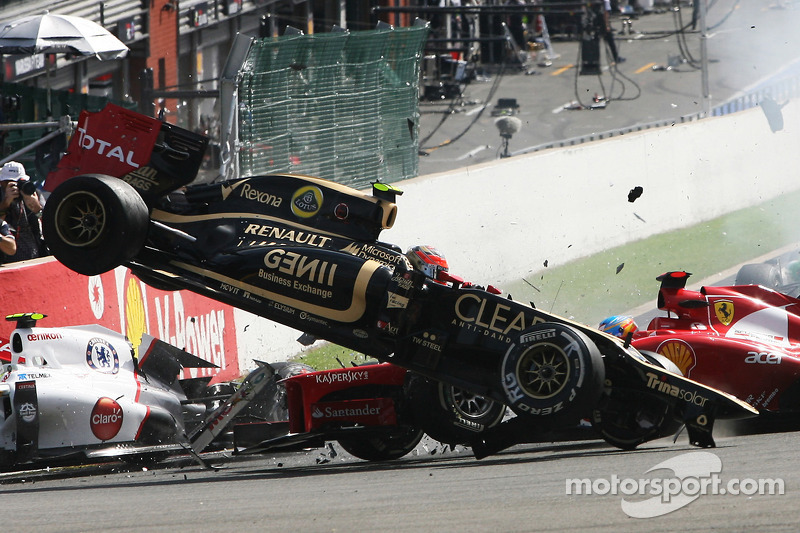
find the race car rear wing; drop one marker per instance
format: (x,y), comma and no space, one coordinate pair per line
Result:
(152,156)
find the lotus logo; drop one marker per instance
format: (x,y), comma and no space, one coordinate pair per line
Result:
(307,201)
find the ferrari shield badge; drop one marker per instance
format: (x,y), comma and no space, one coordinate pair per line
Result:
(724,311)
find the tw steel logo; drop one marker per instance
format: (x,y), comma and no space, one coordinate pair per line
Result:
(87,142)
(106,419)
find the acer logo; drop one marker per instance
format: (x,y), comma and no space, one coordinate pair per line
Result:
(763,358)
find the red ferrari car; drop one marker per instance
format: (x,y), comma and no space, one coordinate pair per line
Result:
(742,339)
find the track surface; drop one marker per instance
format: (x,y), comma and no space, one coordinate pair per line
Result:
(522,489)
(749,43)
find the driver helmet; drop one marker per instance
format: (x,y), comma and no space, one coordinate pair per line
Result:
(619,326)
(427,260)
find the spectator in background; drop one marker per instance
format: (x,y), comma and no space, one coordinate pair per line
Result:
(8,245)
(21,208)
(604,28)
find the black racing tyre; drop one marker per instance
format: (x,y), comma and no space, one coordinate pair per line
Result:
(393,444)
(764,274)
(627,419)
(94,223)
(553,371)
(450,414)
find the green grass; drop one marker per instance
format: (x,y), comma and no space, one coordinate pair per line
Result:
(327,356)
(590,289)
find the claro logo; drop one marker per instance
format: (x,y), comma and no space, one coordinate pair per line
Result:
(87,142)
(106,419)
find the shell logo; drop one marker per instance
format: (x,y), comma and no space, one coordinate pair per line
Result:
(679,353)
(135,324)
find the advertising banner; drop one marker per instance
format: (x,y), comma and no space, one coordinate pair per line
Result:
(119,301)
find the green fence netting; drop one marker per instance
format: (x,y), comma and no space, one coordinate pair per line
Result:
(342,106)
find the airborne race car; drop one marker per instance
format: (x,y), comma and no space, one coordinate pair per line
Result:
(742,339)
(305,252)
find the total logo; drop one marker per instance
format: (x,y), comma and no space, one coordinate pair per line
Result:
(87,142)
(106,419)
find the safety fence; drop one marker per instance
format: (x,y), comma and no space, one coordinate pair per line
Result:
(342,106)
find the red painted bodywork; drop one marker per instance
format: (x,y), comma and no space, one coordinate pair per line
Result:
(306,392)
(744,340)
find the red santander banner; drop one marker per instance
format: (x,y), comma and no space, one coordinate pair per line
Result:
(119,301)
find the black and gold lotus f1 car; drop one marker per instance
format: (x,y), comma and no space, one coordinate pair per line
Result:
(305,252)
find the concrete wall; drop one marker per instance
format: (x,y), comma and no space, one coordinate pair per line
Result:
(498,221)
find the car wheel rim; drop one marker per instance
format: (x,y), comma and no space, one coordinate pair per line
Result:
(543,371)
(80,219)
(470,405)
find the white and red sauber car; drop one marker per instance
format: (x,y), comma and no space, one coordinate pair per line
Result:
(79,392)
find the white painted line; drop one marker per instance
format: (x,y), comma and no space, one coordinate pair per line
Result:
(563,107)
(473,152)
